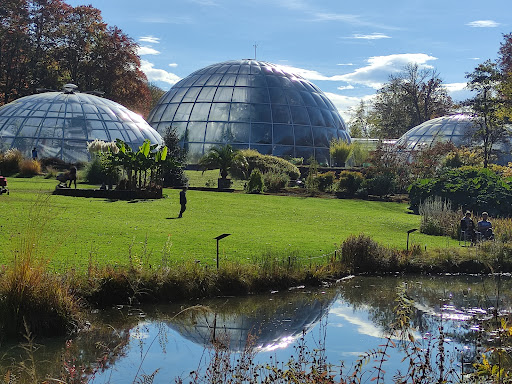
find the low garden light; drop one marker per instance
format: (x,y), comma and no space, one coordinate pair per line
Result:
(220,237)
(408,233)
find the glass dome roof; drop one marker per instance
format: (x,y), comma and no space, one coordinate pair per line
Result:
(458,129)
(455,128)
(59,124)
(250,104)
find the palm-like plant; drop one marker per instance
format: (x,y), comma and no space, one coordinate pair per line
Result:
(224,158)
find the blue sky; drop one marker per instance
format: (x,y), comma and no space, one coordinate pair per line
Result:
(347,48)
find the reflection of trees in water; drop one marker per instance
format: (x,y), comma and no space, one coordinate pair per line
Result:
(449,301)
(96,349)
(273,320)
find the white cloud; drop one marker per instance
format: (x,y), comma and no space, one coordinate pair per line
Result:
(377,72)
(173,65)
(345,87)
(458,91)
(454,87)
(372,36)
(208,3)
(155,74)
(344,104)
(150,39)
(483,24)
(147,51)
(347,64)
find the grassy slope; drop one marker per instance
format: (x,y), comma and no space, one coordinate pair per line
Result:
(76,227)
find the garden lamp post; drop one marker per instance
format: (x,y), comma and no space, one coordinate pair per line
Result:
(408,233)
(219,238)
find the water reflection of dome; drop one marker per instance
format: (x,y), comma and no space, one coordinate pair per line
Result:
(250,104)
(457,129)
(59,124)
(274,321)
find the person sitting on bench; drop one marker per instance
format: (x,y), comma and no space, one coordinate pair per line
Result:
(467,228)
(485,227)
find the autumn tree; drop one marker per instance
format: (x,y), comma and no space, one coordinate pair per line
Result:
(47,43)
(411,97)
(487,107)
(361,123)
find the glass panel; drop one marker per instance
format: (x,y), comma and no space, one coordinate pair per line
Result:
(283,151)
(300,115)
(196,131)
(179,95)
(214,79)
(242,81)
(240,132)
(239,112)
(281,114)
(219,112)
(320,137)
(303,135)
(168,96)
(283,134)
(241,95)
(228,80)
(202,80)
(191,94)
(99,134)
(223,94)
(308,99)
(255,69)
(195,152)
(233,69)
(206,94)
(261,133)
(298,85)
(316,117)
(183,112)
(261,113)
(329,122)
(293,97)
(75,151)
(245,69)
(200,112)
(24,144)
(304,152)
(322,156)
(285,82)
(217,133)
(277,96)
(263,149)
(49,148)
(259,95)
(257,81)
(169,113)
(190,80)
(319,101)
(328,102)
(337,120)
(28,131)
(273,82)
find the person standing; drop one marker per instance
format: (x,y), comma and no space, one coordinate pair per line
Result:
(34,153)
(183,201)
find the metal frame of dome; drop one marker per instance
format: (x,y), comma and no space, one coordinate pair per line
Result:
(250,104)
(59,124)
(458,129)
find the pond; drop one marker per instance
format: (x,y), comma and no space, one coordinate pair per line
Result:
(340,323)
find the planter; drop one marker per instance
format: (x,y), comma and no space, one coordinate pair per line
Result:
(223,183)
(115,194)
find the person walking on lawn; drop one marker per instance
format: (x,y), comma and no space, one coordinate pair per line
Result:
(183,201)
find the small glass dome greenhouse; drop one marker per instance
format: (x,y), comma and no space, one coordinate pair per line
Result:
(250,104)
(457,129)
(59,124)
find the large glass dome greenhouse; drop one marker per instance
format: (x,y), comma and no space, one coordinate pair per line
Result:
(59,124)
(250,104)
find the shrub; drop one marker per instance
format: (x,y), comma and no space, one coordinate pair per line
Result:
(267,163)
(255,184)
(469,188)
(437,217)
(29,168)
(362,254)
(55,163)
(350,182)
(275,181)
(325,181)
(380,185)
(360,154)
(10,162)
(99,171)
(340,151)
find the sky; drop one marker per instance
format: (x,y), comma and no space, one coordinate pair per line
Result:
(347,48)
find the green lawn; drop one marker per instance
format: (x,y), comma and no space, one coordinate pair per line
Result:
(75,228)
